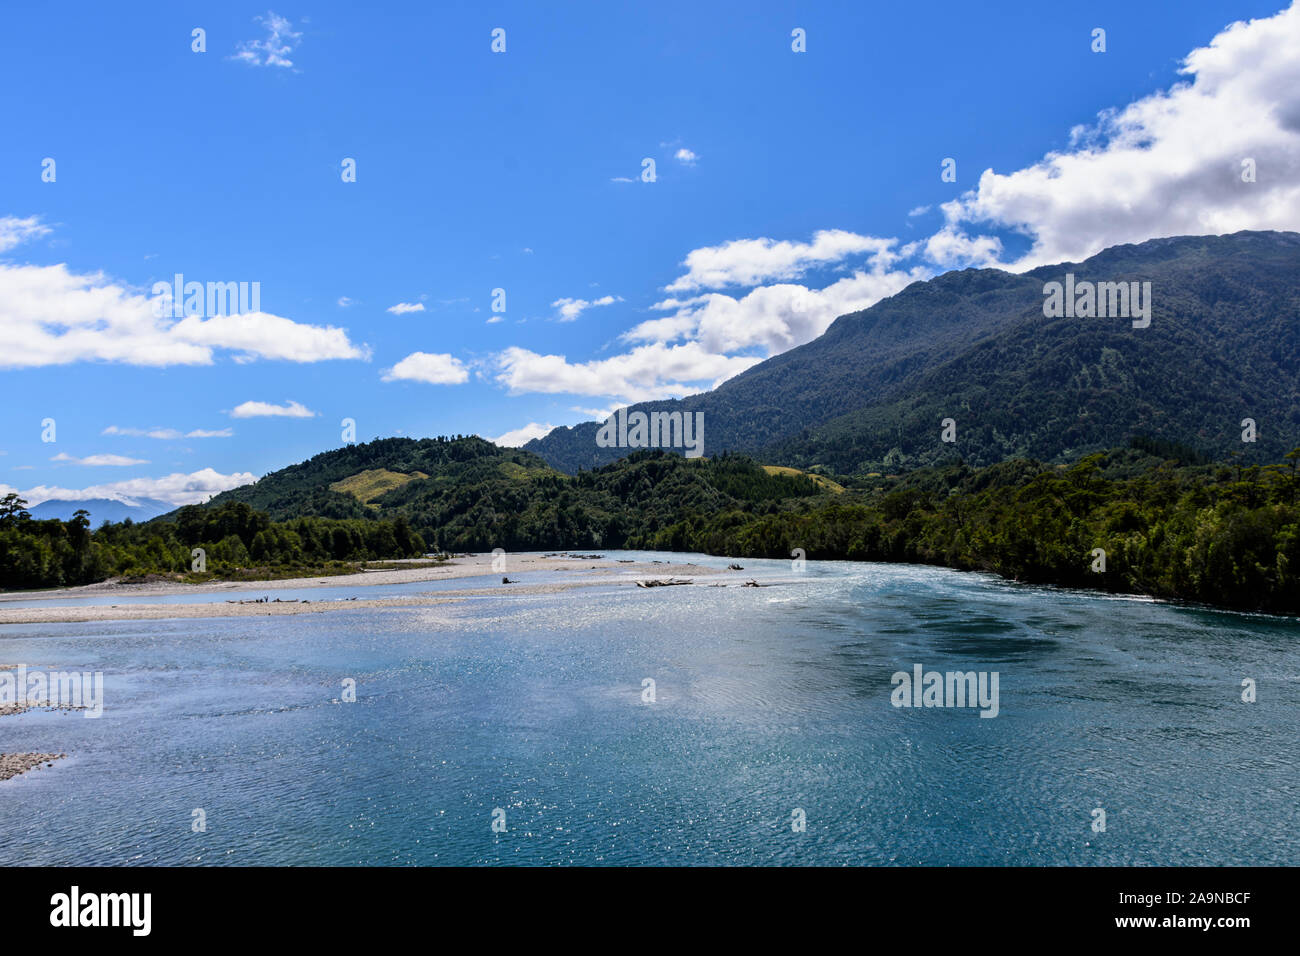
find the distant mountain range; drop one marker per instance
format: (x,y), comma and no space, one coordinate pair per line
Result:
(869,395)
(101,509)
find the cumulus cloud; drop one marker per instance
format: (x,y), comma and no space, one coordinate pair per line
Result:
(647,372)
(290,409)
(748,262)
(1168,164)
(432,368)
(774,317)
(695,346)
(952,249)
(521,436)
(274,48)
(50,315)
(176,489)
(254,335)
(686,157)
(96,460)
(404,307)
(570,309)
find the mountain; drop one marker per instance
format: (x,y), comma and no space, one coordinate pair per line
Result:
(101,509)
(974,345)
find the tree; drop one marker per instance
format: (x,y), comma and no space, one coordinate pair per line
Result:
(13,510)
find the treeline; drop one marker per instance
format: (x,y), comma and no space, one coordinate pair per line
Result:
(234,537)
(1124,520)
(1228,536)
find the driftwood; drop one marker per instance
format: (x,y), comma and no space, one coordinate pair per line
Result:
(661,583)
(734,567)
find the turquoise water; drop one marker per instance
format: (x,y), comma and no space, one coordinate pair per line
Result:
(767,700)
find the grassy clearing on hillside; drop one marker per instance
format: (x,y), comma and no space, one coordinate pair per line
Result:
(373,482)
(822,481)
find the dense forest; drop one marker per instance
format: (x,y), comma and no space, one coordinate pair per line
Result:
(1170,522)
(235,540)
(1222,535)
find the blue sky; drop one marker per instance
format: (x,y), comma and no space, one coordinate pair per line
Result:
(790,187)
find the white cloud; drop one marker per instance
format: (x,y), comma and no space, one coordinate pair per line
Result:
(521,436)
(773,317)
(167,433)
(253,335)
(570,309)
(50,315)
(709,328)
(430,368)
(14,231)
(599,414)
(344,302)
(96,460)
(290,409)
(404,307)
(176,489)
(274,48)
(1169,163)
(645,373)
(748,262)
(686,157)
(952,249)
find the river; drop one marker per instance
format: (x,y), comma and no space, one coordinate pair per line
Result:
(772,736)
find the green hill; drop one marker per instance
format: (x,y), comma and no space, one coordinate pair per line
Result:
(468,494)
(340,483)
